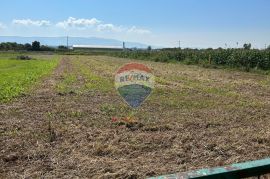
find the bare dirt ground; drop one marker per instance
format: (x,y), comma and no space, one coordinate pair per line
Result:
(195,118)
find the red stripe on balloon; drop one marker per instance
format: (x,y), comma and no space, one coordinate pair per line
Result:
(134,66)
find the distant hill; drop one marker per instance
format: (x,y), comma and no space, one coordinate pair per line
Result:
(56,41)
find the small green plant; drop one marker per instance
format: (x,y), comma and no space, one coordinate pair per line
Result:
(65,87)
(108,109)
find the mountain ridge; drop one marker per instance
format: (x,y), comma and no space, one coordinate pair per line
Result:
(62,40)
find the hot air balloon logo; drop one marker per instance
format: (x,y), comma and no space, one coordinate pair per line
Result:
(134,82)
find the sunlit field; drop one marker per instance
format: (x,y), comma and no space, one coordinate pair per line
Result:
(61,116)
(17,76)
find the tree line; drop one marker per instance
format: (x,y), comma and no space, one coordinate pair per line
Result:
(35,46)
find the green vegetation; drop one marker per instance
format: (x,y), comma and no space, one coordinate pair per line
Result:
(6,46)
(245,58)
(17,76)
(65,86)
(94,81)
(36,46)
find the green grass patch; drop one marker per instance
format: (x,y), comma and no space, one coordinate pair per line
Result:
(17,76)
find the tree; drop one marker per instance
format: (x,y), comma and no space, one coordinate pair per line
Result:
(36,46)
(27,46)
(62,47)
(268,48)
(247,46)
(46,48)
(149,48)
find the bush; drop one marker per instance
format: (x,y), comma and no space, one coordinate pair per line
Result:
(22,57)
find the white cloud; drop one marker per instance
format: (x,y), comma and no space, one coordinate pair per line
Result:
(29,22)
(114,28)
(81,23)
(136,30)
(99,26)
(109,27)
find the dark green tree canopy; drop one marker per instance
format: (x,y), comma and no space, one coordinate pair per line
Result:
(247,46)
(35,46)
(27,46)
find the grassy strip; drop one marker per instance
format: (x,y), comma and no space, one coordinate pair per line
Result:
(93,81)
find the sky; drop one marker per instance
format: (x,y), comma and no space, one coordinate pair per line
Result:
(195,23)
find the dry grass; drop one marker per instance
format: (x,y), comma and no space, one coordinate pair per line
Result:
(195,118)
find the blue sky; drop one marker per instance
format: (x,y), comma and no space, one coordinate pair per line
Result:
(197,23)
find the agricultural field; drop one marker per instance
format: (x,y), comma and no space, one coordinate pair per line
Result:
(70,121)
(17,76)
